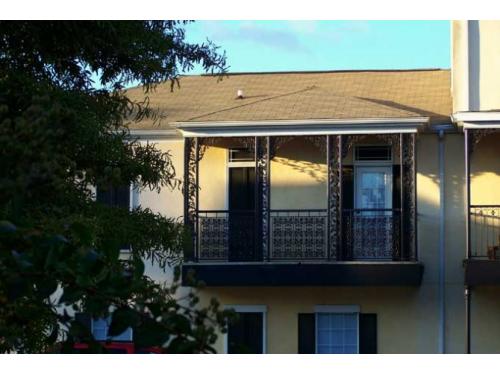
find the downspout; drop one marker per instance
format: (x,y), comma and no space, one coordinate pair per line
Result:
(442,304)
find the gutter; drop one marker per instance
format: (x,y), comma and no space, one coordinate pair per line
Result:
(442,255)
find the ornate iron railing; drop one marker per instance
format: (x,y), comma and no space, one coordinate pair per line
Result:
(299,235)
(372,234)
(485,231)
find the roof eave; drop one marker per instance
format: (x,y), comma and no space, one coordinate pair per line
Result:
(301,127)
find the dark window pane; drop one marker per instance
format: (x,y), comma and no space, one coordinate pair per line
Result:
(245,336)
(114,196)
(373,153)
(241,154)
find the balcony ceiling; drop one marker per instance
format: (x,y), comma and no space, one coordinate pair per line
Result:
(396,94)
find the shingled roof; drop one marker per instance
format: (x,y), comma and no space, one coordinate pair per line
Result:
(302,96)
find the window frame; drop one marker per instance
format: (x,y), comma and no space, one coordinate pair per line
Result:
(335,309)
(249,309)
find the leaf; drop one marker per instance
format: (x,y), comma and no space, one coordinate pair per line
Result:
(122,319)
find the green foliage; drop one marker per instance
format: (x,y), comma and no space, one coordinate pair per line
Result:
(59,135)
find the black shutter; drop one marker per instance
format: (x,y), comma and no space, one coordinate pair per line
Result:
(104,195)
(368,333)
(396,186)
(85,319)
(347,187)
(347,211)
(122,196)
(245,336)
(307,333)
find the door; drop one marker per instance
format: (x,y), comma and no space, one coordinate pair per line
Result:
(372,216)
(242,214)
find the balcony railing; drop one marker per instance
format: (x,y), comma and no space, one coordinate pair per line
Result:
(485,231)
(298,235)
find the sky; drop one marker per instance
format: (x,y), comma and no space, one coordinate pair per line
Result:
(262,46)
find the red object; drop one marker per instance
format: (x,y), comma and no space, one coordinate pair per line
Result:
(119,348)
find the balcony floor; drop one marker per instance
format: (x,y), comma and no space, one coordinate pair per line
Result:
(369,273)
(482,272)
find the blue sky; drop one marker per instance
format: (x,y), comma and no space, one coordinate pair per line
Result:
(259,46)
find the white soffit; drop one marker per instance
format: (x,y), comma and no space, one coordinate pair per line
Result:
(478,120)
(301,127)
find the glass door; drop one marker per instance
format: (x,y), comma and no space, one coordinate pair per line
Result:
(372,216)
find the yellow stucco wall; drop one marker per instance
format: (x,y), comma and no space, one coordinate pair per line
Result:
(475,62)
(407,317)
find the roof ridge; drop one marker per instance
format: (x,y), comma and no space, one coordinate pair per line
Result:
(320,72)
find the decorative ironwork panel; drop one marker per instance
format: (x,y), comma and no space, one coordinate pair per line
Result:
(392,140)
(348,142)
(214,237)
(277,143)
(409,196)
(190,191)
(476,135)
(371,234)
(319,141)
(298,234)
(205,142)
(333,158)
(262,156)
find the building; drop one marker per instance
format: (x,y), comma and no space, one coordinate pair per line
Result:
(343,211)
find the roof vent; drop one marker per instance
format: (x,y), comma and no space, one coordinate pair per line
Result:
(239,94)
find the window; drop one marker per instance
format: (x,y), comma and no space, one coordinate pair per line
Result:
(247,334)
(117,196)
(372,153)
(337,330)
(337,333)
(241,155)
(99,328)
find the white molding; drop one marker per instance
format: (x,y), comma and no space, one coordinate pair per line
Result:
(301,127)
(332,309)
(478,120)
(247,308)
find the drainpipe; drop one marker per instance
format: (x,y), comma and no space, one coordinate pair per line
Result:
(442,311)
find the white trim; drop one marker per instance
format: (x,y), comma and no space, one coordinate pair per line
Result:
(301,127)
(337,309)
(247,308)
(250,309)
(470,119)
(487,125)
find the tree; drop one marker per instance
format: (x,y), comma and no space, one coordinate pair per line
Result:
(59,134)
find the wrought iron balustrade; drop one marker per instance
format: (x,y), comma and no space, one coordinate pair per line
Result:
(371,234)
(485,231)
(298,234)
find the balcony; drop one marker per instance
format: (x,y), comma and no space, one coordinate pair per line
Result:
(483,264)
(482,174)
(257,243)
